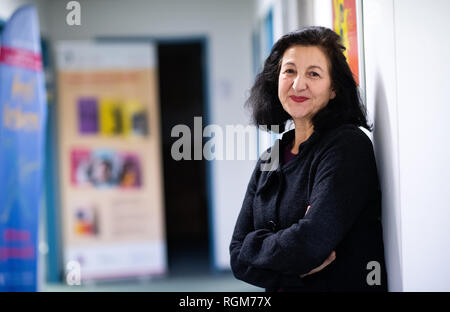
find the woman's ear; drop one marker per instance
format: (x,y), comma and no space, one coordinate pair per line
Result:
(332,94)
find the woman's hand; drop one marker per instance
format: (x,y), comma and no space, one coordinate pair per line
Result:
(307,209)
(330,259)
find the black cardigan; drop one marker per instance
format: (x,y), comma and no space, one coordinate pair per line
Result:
(274,242)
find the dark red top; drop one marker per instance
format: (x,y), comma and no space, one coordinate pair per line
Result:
(288,156)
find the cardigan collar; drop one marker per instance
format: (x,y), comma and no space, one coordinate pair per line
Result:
(271,159)
(289,136)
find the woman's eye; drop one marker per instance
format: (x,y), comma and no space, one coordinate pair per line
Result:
(314,74)
(289,71)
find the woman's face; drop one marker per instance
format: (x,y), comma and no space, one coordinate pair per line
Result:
(304,83)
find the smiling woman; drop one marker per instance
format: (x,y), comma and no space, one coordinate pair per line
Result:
(304,84)
(312,223)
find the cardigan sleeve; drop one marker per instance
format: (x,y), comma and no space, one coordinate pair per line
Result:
(342,185)
(261,277)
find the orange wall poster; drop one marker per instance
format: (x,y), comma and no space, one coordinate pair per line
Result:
(345,24)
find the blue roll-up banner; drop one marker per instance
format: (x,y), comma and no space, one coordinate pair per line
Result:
(22,121)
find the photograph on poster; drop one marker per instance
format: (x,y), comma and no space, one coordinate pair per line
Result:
(134,118)
(86,220)
(111,117)
(87,115)
(105,169)
(80,163)
(130,171)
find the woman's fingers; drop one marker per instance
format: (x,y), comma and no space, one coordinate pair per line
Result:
(307,209)
(330,259)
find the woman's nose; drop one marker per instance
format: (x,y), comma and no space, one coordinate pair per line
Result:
(299,84)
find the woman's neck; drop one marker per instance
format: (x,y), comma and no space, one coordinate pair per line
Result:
(303,130)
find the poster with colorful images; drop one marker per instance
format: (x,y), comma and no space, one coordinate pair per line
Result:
(346,25)
(111,168)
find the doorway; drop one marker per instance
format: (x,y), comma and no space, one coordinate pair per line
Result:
(181,87)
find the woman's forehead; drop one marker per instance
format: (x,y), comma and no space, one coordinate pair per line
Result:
(304,56)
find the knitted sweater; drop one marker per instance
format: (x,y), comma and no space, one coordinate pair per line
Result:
(274,242)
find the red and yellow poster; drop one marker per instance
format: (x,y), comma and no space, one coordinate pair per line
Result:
(345,24)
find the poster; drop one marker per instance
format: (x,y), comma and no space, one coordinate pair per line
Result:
(110,162)
(345,24)
(23,112)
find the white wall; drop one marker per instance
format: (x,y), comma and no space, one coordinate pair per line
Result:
(227,25)
(290,15)
(407,78)
(381,95)
(423,81)
(262,8)
(323,13)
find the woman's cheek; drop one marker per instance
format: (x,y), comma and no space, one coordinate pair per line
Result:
(285,85)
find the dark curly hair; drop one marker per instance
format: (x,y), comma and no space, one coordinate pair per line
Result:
(346,107)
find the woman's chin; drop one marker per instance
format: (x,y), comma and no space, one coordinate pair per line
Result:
(299,115)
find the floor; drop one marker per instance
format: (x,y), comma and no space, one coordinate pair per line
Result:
(189,271)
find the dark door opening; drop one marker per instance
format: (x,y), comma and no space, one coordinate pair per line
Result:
(181,83)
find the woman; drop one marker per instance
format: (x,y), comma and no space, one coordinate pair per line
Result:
(311,222)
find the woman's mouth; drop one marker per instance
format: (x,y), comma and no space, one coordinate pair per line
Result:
(299,99)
